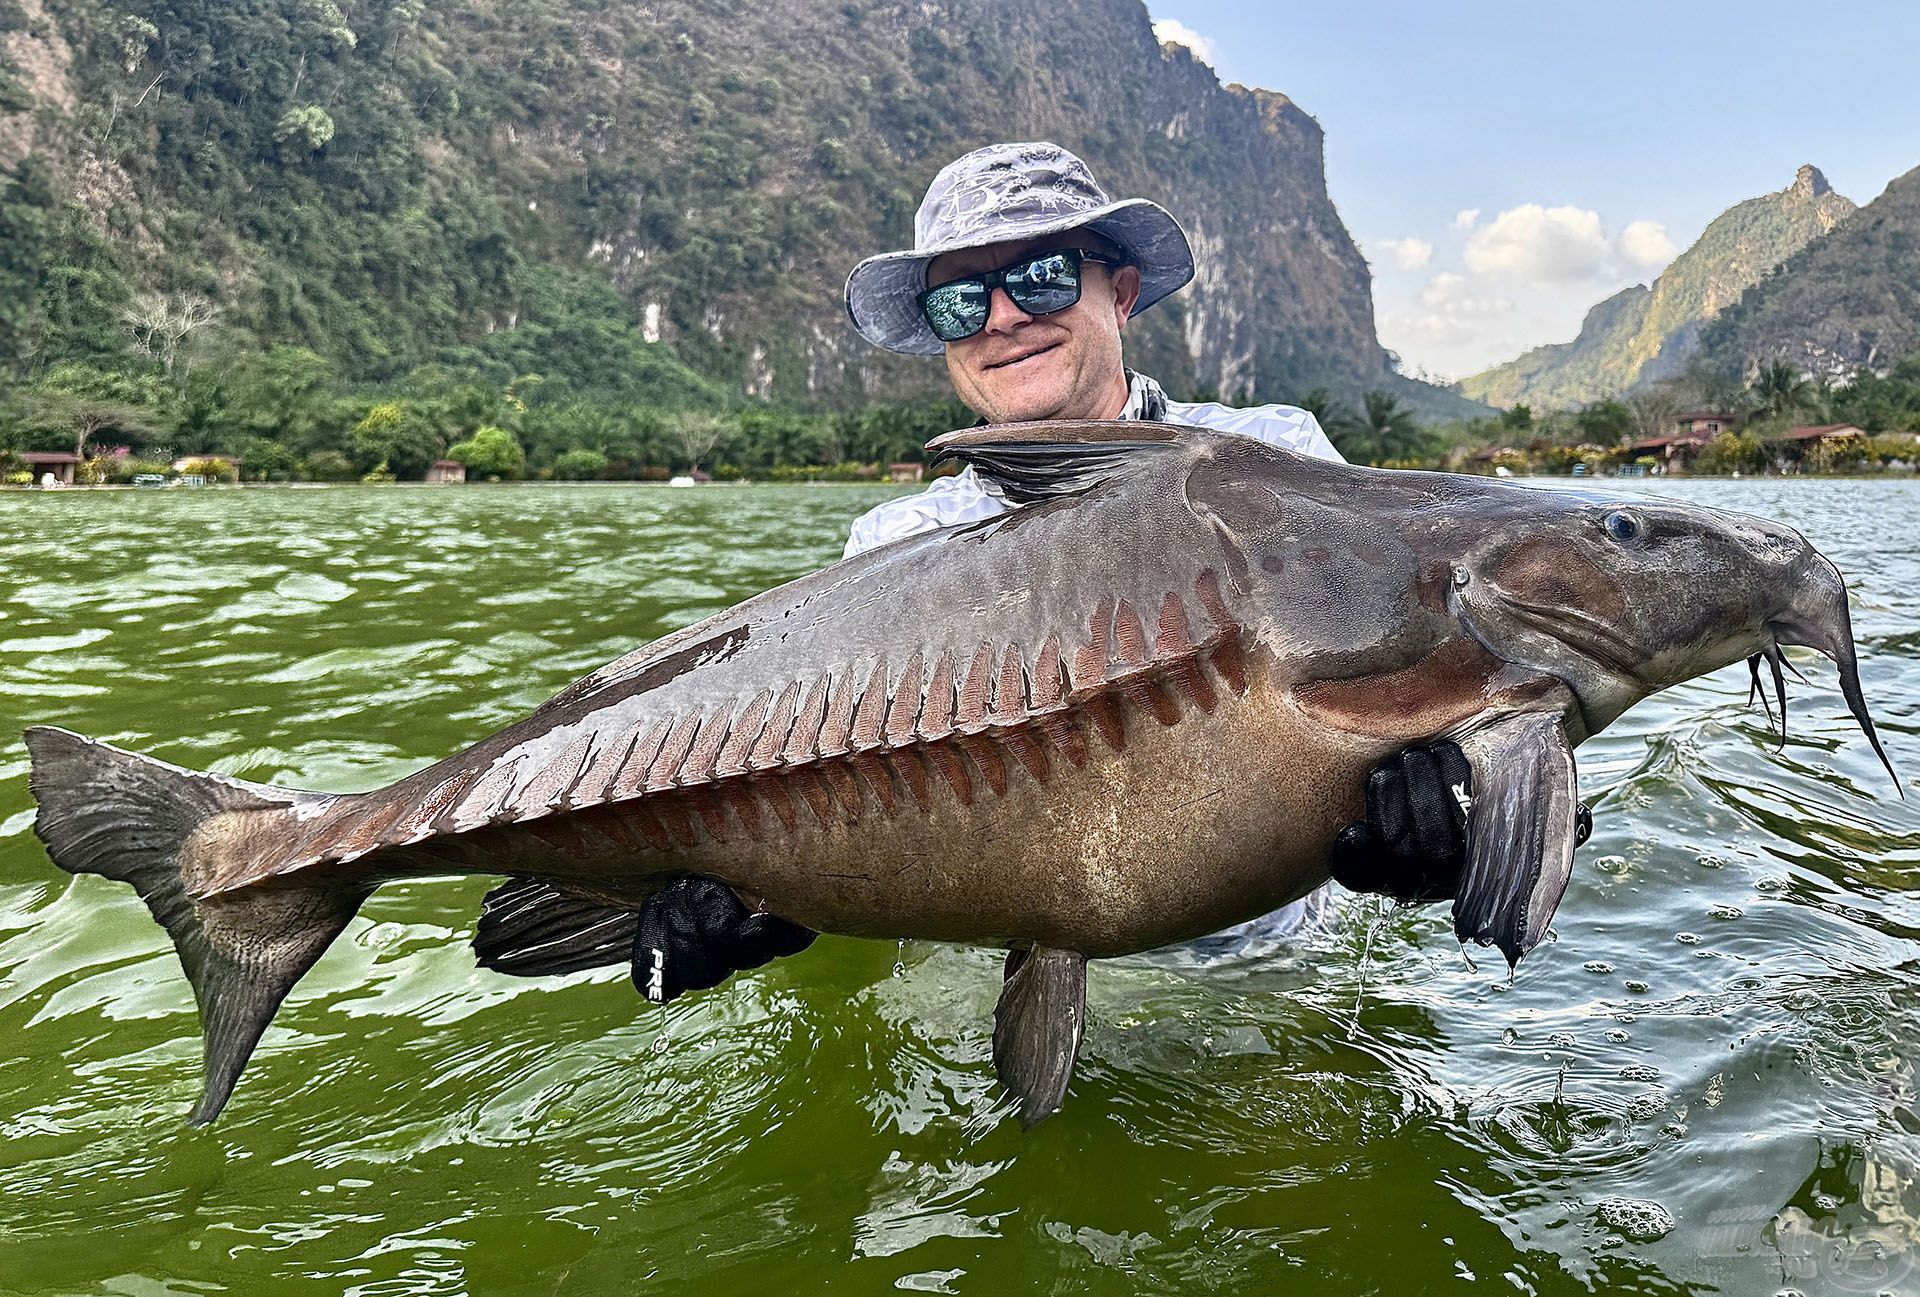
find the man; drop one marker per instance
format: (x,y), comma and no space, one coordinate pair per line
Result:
(1024,275)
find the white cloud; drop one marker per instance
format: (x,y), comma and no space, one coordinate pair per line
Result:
(1541,245)
(1447,315)
(1465,218)
(1171,31)
(1645,244)
(1406,254)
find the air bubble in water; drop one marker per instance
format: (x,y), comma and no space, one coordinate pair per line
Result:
(1640,1219)
(900,959)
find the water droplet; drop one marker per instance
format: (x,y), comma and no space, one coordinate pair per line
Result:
(1724,912)
(1772,884)
(1637,986)
(1619,1036)
(900,959)
(1687,938)
(1509,1037)
(1563,1039)
(1711,861)
(1598,966)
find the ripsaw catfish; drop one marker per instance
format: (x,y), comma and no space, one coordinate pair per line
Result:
(1134,711)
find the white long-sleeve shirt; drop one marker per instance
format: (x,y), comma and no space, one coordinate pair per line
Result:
(966,497)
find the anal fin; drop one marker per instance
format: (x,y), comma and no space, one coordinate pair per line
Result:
(1037,1028)
(1520,832)
(530,928)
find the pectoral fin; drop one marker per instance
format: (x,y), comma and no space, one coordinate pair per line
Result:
(1520,833)
(1037,1027)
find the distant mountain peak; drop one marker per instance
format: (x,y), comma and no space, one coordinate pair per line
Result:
(1642,337)
(1808,182)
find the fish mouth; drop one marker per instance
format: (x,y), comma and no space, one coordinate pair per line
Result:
(1816,616)
(1834,641)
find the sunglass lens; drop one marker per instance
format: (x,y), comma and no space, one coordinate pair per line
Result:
(1045,284)
(955,311)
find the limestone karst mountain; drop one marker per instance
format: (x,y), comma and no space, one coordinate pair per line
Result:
(1846,303)
(399,184)
(1645,333)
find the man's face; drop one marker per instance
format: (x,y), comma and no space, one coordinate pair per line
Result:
(1060,366)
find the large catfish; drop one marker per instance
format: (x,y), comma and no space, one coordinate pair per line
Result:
(1134,711)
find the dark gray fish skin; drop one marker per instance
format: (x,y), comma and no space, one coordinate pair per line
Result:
(1135,711)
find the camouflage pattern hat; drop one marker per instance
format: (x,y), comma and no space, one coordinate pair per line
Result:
(998,194)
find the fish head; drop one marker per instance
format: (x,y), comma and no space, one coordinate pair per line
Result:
(1622,597)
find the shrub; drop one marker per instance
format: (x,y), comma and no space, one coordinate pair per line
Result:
(491,452)
(327,466)
(579,465)
(214,470)
(125,468)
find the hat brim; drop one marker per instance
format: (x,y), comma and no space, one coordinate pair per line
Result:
(881,290)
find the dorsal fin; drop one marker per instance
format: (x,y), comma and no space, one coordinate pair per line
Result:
(1045,461)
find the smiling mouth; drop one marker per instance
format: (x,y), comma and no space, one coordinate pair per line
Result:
(1023,357)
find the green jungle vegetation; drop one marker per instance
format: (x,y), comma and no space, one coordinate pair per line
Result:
(1777,397)
(340,239)
(562,241)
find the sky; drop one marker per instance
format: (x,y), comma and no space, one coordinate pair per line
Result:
(1505,165)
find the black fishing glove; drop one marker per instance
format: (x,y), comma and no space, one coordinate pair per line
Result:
(694,933)
(1413,844)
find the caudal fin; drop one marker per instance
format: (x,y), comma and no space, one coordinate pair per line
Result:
(131,818)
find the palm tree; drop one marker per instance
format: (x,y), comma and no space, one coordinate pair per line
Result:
(1779,389)
(1387,430)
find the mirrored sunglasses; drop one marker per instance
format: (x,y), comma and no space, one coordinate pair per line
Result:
(1037,285)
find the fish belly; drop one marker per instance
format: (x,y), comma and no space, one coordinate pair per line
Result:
(1180,830)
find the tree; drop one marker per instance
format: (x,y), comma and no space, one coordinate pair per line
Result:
(83,418)
(396,438)
(160,322)
(580,465)
(85,401)
(1781,390)
(1604,423)
(26,197)
(1387,430)
(262,460)
(491,452)
(1654,411)
(698,434)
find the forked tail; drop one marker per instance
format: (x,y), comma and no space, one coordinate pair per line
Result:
(160,827)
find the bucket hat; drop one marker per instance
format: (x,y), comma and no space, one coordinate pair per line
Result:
(1002,193)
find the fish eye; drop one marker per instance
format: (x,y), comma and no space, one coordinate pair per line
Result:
(1622,526)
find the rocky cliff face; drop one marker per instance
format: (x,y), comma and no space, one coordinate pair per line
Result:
(1847,303)
(723,166)
(1641,334)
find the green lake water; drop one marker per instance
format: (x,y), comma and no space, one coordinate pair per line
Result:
(1705,1084)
